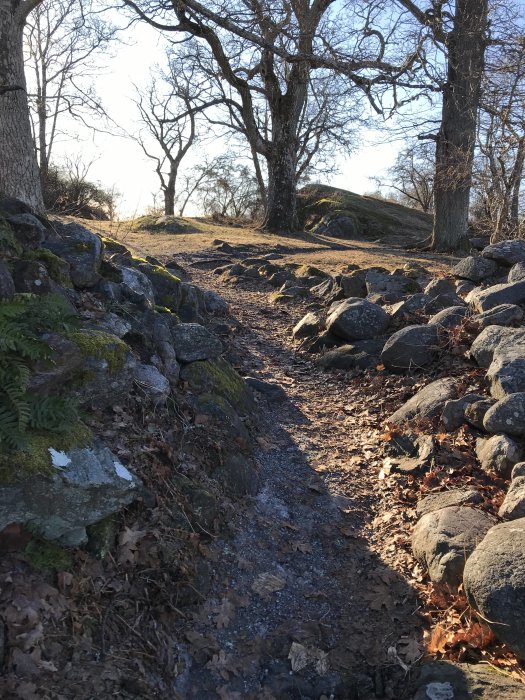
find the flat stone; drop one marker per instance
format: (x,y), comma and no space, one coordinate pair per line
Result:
(507,416)
(137,287)
(411,348)
(390,287)
(428,402)
(454,497)
(152,383)
(499,454)
(450,318)
(274,392)
(494,581)
(506,252)
(443,540)
(486,299)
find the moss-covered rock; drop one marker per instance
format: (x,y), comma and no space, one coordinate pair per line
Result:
(102,536)
(217,377)
(57,268)
(166,286)
(47,556)
(310,271)
(281,298)
(101,346)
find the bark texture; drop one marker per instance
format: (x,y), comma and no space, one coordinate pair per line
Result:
(19,174)
(456,138)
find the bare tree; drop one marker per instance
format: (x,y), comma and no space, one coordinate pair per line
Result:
(412,176)
(18,163)
(461,29)
(268,51)
(230,189)
(169,108)
(63,40)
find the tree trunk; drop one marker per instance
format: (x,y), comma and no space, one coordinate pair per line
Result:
(169,195)
(457,134)
(281,203)
(19,175)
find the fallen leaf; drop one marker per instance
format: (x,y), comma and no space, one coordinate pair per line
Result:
(266,584)
(300,657)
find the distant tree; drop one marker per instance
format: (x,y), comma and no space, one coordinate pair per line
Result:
(412,176)
(19,176)
(63,40)
(169,108)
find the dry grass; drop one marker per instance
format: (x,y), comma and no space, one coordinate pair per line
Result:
(327,253)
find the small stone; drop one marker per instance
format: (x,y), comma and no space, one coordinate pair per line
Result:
(517,272)
(453,415)
(308,326)
(439,287)
(450,317)
(360,354)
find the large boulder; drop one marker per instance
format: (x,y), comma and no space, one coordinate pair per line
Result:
(507,416)
(428,402)
(444,539)
(357,319)
(486,299)
(490,340)
(494,581)
(411,348)
(450,317)
(82,249)
(506,373)
(475,268)
(506,252)
(499,454)
(192,342)
(475,412)
(81,486)
(390,287)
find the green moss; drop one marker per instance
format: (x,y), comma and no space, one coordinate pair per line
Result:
(112,246)
(8,243)
(157,270)
(102,346)
(17,465)
(280,298)
(162,309)
(102,536)
(57,268)
(47,556)
(218,378)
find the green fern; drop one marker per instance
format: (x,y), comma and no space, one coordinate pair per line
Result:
(22,321)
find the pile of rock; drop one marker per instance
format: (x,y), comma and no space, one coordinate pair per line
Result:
(134,329)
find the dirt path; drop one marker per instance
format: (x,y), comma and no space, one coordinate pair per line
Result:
(304,603)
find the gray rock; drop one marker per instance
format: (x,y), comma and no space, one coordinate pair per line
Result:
(499,454)
(150,381)
(475,268)
(479,242)
(442,680)
(453,415)
(445,499)
(506,252)
(451,317)
(411,348)
(111,323)
(464,286)
(486,299)
(361,354)
(438,287)
(390,287)
(443,301)
(421,458)
(324,341)
(354,285)
(517,470)
(167,288)
(494,581)
(408,307)
(217,378)
(513,505)
(192,342)
(443,540)
(357,319)
(507,416)
(65,360)
(517,272)
(82,249)
(489,341)
(501,315)
(337,226)
(428,402)
(274,392)
(280,277)
(31,277)
(191,303)
(29,230)
(137,287)
(87,485)
(7,286)
(506,373)
(308,326)
(475,412)
(215,304)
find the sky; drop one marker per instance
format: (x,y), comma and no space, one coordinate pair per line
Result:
(120,162)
